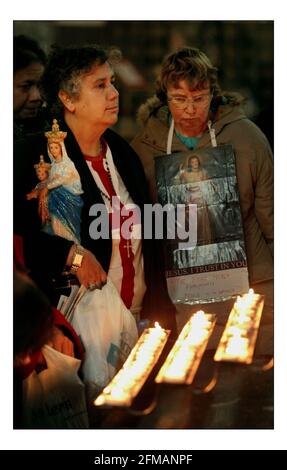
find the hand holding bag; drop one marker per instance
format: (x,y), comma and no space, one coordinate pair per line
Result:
(108,332)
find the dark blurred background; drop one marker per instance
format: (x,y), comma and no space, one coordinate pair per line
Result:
(242,51)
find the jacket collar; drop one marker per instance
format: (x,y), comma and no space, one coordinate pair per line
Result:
(157,125)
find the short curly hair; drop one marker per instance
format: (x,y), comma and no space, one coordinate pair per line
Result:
(190,64)
(65,67)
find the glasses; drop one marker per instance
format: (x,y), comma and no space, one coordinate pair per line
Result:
(181,102)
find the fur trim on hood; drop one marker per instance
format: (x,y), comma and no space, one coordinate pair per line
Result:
(153,105)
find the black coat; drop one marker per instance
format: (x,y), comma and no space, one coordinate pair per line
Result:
(45,255)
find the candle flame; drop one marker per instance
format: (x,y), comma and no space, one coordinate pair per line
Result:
(238,340)
(184,358)
(131,377)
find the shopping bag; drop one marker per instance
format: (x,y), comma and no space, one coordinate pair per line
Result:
(55,398)
(108,332)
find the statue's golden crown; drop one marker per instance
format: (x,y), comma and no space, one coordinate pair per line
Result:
(42,164)
(55,135)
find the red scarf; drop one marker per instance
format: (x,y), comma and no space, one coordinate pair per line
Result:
(125,246)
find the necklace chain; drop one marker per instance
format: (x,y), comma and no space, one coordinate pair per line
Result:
(100,148)
(107,168)
(101,156)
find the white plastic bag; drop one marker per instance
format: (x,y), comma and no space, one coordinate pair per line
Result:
(108,332)
(55,398)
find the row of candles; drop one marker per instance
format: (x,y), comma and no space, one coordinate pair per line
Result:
(237,344)
(184,358)
(131,377)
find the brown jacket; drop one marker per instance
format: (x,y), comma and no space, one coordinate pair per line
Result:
(254,166)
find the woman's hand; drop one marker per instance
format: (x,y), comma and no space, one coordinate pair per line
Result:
(61,343)
(90,273)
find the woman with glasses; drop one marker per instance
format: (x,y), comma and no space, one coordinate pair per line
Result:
(189,111)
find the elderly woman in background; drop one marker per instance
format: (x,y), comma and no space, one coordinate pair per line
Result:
(28,67)
(189,111)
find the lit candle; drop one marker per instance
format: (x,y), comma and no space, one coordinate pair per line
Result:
(237,346)
(184,358)
(239,336)
(129,380)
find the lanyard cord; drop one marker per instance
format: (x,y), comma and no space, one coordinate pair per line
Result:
(171,131)
(169,138)
(212,134)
